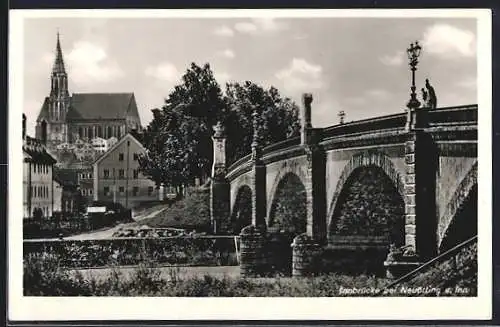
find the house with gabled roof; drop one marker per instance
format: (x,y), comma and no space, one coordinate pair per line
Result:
(117,177)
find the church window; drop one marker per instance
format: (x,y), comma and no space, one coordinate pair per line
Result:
(120,157)
(110,132)
(99,131)
(84,192)
(90,191)
(80,132)
(90,133)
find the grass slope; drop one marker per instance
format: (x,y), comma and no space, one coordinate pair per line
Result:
(192,212)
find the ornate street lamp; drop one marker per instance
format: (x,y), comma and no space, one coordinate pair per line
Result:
(413,53)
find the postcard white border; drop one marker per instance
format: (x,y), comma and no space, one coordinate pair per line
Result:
(121,308)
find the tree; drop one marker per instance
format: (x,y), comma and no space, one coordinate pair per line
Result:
(278,117)
(179,138)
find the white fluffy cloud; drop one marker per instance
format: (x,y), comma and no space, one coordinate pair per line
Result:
(245,27)
(393,60)
(449,41)
(89,64)
(224,31)
(227,53)
(301,76)
(164,72)
(260,25)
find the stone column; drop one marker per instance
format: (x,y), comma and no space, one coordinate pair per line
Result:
(258,177)
(252,252)
(420,187)
(220,188)
(306,256)
(315,182)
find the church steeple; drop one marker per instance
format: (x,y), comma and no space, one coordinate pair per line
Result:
(59,62)
(59,78)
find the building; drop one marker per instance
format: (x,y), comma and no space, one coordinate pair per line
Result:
(117,177)
(71,200)
(86,183)
(38,187)
(66,118)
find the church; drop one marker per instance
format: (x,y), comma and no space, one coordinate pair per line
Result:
(66,119)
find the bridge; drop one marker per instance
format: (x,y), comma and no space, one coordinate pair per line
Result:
(405,182)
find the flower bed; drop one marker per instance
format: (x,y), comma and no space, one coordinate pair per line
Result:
(194,251)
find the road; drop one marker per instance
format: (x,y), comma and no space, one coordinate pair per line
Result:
(108,232)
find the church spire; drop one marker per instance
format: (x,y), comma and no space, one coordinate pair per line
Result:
(59,62)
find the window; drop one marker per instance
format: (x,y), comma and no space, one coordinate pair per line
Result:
(89,175)
(150,190)
(122,189)
(136,156)
(84,192)
(106,173)
(135,190)
(106,190)
(120,157)
(90,191)
(136,173)
(121,173)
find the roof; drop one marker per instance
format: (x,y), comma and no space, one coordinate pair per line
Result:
(117,144)
(36,152)
(44,112)
(85,106)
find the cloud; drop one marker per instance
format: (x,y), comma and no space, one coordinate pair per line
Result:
(269,24)
(89,63)
(245,27)
(301,75)
(227,53)
(164,72)
(393,60)
(224,31)
(449,41)
(260,25)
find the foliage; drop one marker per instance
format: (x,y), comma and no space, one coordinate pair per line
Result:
(178,139)
(187,250)
(370,205)
(288,212)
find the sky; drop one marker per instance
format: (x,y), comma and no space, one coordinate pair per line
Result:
(358,65)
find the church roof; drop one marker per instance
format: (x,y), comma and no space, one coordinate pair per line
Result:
(86,106)
(90,106)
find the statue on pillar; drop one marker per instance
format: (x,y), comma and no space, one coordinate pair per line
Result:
(432,103)
(425,97)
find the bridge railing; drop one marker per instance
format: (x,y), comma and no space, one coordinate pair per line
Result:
(458,115)
(388,122)
(289,142)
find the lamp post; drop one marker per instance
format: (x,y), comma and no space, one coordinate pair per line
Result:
(413,53)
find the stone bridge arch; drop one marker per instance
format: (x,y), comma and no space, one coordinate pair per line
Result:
(465,197)
(241,209)
(240,181)
(365,159)
(286,168)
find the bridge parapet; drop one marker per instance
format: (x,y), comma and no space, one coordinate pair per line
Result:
(389,128)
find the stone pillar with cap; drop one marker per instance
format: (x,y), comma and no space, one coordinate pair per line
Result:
(258,176)
(220,188)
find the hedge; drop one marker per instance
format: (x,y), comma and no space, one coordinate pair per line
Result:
(191,251)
